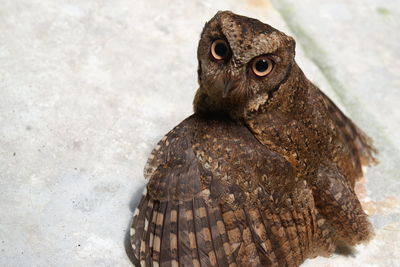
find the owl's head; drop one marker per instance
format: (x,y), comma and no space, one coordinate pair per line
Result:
(240,58)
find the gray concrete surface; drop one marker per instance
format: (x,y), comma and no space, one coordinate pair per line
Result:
(88,87)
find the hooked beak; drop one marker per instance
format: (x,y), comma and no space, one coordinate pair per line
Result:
(228,85)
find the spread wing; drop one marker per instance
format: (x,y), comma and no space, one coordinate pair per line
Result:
(362,148)
(337,203)
(217,197)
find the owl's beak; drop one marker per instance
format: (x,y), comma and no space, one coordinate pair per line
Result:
(228,85)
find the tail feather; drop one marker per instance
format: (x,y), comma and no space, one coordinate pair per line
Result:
(138,223)
(197,233)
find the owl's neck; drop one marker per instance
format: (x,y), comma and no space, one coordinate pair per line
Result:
(292,122)
(207,106)
(293,98)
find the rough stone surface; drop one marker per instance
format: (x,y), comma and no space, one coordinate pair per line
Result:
(88,87)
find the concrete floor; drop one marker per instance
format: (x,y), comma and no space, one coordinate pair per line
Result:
(88,87)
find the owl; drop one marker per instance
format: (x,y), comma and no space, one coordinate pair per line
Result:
(263,172)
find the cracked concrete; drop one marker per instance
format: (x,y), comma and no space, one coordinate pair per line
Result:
(88,87)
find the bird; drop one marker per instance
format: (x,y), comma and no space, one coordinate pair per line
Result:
(263,172)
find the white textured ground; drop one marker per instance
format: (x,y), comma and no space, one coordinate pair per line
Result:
(88,87)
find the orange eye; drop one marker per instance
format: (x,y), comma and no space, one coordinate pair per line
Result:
(262,66)
(219,49)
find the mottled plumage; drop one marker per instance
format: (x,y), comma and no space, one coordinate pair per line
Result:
(263,173)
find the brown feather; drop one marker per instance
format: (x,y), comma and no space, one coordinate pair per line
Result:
(214,227)
(261,175)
